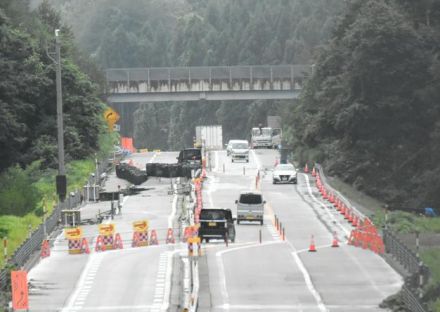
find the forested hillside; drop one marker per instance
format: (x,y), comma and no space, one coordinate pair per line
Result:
(27,90)
(371,112)
(198,32)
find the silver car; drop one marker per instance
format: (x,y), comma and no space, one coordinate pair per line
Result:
(284,173)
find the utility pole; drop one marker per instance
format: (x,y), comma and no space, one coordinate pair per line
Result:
(61,181)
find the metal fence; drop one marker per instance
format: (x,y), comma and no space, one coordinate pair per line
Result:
(33,243)
(170,74)
(402,253)
(419,273)
(411,301)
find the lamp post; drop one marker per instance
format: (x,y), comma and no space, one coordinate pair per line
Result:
(61,181)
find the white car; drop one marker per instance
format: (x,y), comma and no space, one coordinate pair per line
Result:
(284,173)
(229,146)
(240,150)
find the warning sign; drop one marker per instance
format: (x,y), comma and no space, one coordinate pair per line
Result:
(73,233)
(111,117)
(106,229)
(19,290)
(140,226)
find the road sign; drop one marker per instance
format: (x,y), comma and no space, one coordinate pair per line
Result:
(111,116)
(140,226)
(73,233)
(19,290)
(106,229)
(117,128)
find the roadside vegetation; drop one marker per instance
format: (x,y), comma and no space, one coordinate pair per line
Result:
(28,157)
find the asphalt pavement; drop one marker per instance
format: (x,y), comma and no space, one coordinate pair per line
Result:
(128,279)
(282,275)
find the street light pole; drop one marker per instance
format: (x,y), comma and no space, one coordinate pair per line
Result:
(61,180)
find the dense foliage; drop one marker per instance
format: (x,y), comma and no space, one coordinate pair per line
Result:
(145,33)
(371,110)
(27,89)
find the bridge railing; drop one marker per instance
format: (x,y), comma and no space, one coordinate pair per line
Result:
(214,78)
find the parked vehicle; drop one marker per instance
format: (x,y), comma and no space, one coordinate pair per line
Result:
(240,150)
(250,207)
(284,173)
(216,223)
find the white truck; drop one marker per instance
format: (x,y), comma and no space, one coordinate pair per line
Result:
(261,137)
(274,122)
(209,137)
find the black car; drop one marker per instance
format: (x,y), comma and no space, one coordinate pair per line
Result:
(191,156)
(216,223)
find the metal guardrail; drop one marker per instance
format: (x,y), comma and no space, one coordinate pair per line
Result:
(33,243)
(402,253)
(411,301)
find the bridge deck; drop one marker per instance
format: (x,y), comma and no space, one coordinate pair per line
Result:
(208,83)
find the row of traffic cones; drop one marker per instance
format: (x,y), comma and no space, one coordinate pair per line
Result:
(312,246)
(306,170)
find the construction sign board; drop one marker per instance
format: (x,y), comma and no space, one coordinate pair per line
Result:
(20,294)
(140,226)
(106,229)
(73,233)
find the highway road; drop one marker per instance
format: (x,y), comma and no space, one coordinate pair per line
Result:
(131,279)
(279,275)
(274,275)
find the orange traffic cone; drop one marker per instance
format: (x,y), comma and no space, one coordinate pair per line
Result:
(187,233)
(170,236)
(313,172)
(312,247)
(153,238)
(85,246)
(306,168)
(45,249)
(135,240)
(335,242)
(117,244)
(99,246)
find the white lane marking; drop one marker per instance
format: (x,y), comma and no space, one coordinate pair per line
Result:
(111,308)
(309,189)
(173,212)
(257,161)
(216,161)
(221,267)
(163,282)
(273,232)
(93,260)
(153,157)
(309,283)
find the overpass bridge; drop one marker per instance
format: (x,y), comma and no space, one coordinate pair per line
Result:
(216,83)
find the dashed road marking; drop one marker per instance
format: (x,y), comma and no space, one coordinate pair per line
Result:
(77,300)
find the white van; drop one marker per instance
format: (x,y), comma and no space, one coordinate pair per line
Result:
(240,150)
(250,207)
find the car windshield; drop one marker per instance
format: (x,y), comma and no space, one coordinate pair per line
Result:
(285,168)
(255,131)
(251,199)
(192,154)
(240,146)
(267,131)
(212,215)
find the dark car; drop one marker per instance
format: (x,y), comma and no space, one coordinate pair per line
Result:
(216,223)
(191,156)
